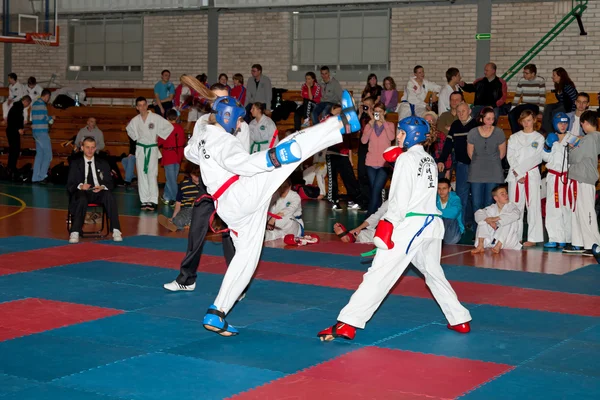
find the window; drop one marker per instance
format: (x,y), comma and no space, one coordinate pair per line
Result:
(106,48)
(354,43)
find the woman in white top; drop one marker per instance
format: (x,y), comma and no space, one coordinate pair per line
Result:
(262,130)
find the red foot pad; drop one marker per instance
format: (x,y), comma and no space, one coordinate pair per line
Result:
(292,240)
(461,328)
(339,330)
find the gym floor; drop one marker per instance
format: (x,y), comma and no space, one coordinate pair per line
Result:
(92,321)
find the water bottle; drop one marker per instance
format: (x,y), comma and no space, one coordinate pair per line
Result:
(76,99)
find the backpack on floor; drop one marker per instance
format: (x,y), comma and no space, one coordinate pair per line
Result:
(59,174)
(307,192)
(24,173)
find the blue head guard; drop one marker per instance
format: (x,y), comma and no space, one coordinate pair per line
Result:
(227,112)
(416,129)
(560,117)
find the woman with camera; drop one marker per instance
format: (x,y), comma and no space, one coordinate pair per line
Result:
(378,134)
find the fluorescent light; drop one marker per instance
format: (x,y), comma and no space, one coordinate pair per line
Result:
(295,12)
(74,68)
(294,68)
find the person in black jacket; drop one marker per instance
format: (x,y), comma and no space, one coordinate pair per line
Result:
(490,91)
(15,124)
(90,181)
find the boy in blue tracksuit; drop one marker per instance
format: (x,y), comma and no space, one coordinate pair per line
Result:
(449,204)
(43,147)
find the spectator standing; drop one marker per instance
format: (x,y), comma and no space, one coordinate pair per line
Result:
(447,118)
(172,155)
(453,78)
(258,90)
(582,103)
(15,127)
(164,91)
(530,95)
(490,91)
(40,121)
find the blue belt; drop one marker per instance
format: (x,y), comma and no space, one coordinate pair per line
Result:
(428,220)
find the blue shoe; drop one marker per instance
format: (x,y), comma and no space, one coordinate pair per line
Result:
(214,321)
(550,245)
(348,116)
(562,245)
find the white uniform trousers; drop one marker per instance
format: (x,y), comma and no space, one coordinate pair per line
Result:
(147,182)
(558,219)
(366,235)
(388,266)
(583,222)
(507,235)
(533,202)
(243,207)
(316,170)
(290,226)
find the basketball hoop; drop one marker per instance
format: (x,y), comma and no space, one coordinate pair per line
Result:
(43,40)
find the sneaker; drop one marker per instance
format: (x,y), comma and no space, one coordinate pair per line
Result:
(164,201)
(587,253)
(74,237)
(573,249)
(306,123)
(164,221)
(117,236)
(335,206)
(353,206)
(177,287)
(550,245)
(144,206)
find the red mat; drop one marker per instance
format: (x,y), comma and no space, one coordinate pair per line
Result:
(7,271)
(28,316)
(376,373)
(335,247)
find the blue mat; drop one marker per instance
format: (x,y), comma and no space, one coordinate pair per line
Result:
(501,347)
(180,378)
(50,391)
(13,384)
(534,384)
(15,244)
(45,357)
(571,356)
(103,271)
(265,350)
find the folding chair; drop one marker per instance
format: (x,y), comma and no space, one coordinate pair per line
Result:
(104,229)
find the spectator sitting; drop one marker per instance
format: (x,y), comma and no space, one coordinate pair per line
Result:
(332,95)
(413,100)
(582,103)
(372,89)
(365,232)
(389,95)
(172,155)
(566,94)
(90,130)
(164,90)
(90,181)
(497,225)
(16,91)
(530,95)
(258,90)
(453,77)
(311,96)
(286,204)
(263,130)
(34,91)
(128,161)
(447,118)
(490,91)
(238,91)
(449,204)
(188,191)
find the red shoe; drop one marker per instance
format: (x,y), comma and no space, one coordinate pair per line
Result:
(461,328)
(340,330)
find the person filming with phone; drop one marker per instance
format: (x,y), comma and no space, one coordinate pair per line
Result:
(378,134)
(90,181)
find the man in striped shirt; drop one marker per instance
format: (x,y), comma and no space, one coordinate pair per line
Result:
(43,147)
(530,95)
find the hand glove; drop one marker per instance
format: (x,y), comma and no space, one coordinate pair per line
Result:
(550,140)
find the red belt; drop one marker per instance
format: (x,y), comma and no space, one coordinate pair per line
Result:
(559,176)
(215,198)
(526,188)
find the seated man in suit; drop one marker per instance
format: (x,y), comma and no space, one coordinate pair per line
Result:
(90,181)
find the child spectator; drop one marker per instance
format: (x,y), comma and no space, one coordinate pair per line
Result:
(389,95)
(187,193)
(172,154)
(559,187)
(583,169)
(450,205)
(524,154)
(498,224)
(238,91)
(286,204)
(223,79)
(311,95)
(263,131)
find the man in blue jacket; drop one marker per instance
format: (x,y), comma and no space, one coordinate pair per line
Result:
(449,204)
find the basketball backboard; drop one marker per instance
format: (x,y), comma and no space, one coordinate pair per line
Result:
(29,21)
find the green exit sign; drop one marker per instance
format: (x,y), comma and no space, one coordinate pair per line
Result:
(483,36)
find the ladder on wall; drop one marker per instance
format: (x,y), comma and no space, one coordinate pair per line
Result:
(577,9)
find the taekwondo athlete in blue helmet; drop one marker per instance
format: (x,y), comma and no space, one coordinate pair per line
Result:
(410,231)
(559,188)
(242,184)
